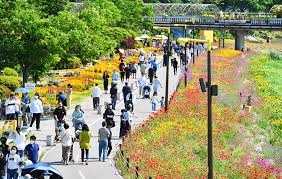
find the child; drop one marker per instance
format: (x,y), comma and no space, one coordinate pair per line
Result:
(154,101)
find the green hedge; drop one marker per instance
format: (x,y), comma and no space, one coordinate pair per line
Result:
(10,82)
(4,91)
(10,72)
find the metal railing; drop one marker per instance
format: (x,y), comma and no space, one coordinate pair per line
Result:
(202,20)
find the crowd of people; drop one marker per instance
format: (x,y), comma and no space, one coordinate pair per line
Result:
(121,87)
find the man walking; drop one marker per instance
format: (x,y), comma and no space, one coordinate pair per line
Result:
(122,70)
(175,65)
(32,150)
(103,136)
(125,91)
(114,92)
(156,85)
(141,83)
(36,108)
(96,93)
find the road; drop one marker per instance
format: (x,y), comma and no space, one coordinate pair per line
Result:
(96,169)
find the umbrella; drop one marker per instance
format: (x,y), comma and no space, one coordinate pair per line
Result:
(22,90)
(38,170)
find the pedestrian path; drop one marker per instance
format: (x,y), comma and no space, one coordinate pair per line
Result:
(96,169)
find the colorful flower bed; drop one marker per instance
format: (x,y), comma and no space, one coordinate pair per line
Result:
(227,53)
(266,72)
(86,77)
(173,144)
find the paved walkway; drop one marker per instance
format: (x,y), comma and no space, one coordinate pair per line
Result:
(96,169)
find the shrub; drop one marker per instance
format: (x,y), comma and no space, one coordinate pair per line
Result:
(10,82)
(74,62)
(277,10)
(4,91)
(10,72)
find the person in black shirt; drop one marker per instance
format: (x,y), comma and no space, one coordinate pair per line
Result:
(122,70)
(59,116)
(2,165)
(109,117)
(175,65)
(113,92)
(125,91)
(106,81)
(127,72)
(4,148)
(151,74)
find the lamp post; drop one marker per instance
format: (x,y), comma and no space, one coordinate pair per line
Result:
(212,90)
(193,36)
(167,70)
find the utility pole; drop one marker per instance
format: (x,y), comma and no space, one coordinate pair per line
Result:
(193,35)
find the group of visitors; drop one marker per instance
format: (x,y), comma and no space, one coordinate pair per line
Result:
(15,157)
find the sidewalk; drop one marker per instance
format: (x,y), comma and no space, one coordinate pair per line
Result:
(96,169)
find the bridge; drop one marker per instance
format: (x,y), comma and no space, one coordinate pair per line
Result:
(209,17)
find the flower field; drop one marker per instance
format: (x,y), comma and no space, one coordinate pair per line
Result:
(172,145)
(85,78)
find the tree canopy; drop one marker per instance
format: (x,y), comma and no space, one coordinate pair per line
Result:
(37,35)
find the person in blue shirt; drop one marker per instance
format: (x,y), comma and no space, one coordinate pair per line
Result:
(62,98)
(32,150)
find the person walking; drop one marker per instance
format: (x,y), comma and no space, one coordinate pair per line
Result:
(62,98)
(125,126)
(4,148)
(156,85)
(96,94)
(125,91)
(106,81)
(20,141)
(175,66)
(36,108)
(10,107)
(154,101)
(59,117)
(26,109)
(13,160)
(122,70)
(134,70)
(67,139)
(78,117)
(103,135)
(115,77)
(32,150)
(109,117)
(142,81)
(114,93)
(84,142)
(2,166)
(68,95)
(151,74)
(127,72)
(143,68)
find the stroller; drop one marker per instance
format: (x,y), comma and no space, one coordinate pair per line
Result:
(146,91)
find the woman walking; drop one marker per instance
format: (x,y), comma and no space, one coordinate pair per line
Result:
(13,160)
(106,81)
(84,142)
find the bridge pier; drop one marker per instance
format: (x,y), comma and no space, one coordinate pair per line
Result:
(240,39)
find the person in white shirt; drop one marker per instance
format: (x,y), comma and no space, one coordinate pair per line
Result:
(154,101)
(156,85)
(10,107)
(20,141)
(96,94)
(67,142)
(13,161)
(141,83)
(36,108)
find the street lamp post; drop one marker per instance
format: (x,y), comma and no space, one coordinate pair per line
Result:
(212,90)
(167,71)
(193,35)
(185,58)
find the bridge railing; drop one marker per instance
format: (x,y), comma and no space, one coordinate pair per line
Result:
(207,20)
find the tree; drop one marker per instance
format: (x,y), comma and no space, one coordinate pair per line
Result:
(49,7)
(22,41)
